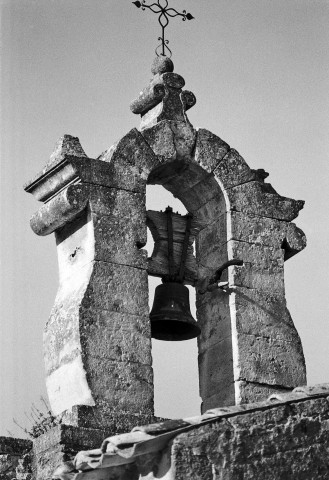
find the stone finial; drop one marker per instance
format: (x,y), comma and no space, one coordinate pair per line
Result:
(163,98)
(162,65)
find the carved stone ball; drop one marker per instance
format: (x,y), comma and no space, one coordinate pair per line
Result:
(161,65)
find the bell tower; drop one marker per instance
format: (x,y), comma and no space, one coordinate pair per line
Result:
(97,341)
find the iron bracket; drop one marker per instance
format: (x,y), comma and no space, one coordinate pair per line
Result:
(215,279)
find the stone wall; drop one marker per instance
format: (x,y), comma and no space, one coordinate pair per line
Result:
(15,459)
(61,444)
(283,438)
(286,441)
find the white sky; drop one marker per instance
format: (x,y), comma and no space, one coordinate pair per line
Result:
(259,70)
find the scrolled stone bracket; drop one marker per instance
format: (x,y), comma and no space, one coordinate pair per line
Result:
(188,99)
(61,209)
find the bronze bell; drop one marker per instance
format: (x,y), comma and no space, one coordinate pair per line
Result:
(171,317)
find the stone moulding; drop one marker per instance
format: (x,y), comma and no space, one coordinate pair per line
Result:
(61,209)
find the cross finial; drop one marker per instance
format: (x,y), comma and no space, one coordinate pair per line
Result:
(161,7)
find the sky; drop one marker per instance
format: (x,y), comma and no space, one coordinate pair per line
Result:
(259,70)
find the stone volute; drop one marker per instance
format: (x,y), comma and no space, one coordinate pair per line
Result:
(97,342)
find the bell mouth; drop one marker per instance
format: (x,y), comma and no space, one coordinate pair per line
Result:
(173,330)
(171,318)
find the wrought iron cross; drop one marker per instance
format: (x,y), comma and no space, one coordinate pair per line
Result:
(161,7)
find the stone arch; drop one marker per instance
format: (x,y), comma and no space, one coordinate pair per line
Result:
(202,196)
(249,346)
(244,217)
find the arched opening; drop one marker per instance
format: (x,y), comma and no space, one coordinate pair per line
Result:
(202,196)
(176,378)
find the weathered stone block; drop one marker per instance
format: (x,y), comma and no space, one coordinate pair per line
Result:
(232,170)
(14,446)
(103,417)
(131,160)
(209,150)
(216,373)
(270,361)
(262,313)
(253,198)
(75,251)
(258,280)
(180,177)
(116,202)
(273,442)
(209,262)
(171,140)
(117,240)
(184,139)
(248,392)
(258,230)
(15,459)
(117,288)
(160,139)
(116,336)
(262,267)
(214,318)
(266,231)
(58,171)
(211,239)
(212,210)
(67,145)
(61,444)
(224,397)
(199,194)
(127,386)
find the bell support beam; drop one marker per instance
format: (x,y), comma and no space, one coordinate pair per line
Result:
(158,262)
